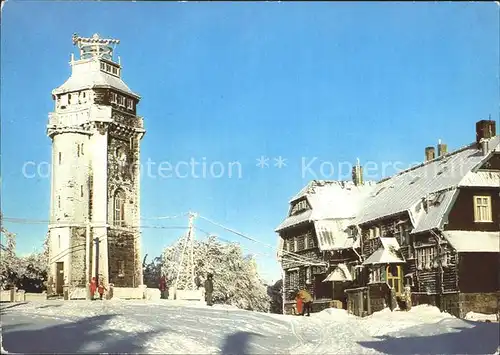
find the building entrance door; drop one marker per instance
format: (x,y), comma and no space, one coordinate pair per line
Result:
(59,277)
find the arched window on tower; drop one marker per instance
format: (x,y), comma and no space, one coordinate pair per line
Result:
(119,208)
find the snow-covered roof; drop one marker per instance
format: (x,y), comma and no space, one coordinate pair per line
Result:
(388,253)
(86,74)
(474,241)
(403,191)
(429,213)
(328,199)
(295,220)
(481,179)
(332,234)
(340,273)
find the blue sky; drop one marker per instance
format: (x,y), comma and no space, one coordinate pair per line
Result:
(230,82)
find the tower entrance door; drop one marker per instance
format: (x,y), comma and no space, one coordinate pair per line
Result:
(59,277)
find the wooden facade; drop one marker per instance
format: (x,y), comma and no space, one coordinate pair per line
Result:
(441,249)
(435,270)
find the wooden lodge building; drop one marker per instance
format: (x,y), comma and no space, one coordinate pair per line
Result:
(433,229)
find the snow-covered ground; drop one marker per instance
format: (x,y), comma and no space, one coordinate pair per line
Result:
(175,327)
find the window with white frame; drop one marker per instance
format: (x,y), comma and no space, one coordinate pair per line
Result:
(377,232)
(295,244)
(121,100)
(447,258)
(306,241)
(377,274)
(426,258)
(371,233)
(130,104)
(308,275)
(114,97)
(293,278)
(482,209)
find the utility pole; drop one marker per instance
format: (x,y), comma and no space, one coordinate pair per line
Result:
(185,275)
(96,240)
(87,258)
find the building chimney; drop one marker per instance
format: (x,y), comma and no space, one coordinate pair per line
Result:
(442,148)
(430,153)
(485,129)
(357,174)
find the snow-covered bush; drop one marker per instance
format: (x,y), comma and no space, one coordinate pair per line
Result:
(27,272)
(235,276)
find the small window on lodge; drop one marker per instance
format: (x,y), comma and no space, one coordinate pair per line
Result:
(130,104)
(121,268)
(482,209)
(114,97)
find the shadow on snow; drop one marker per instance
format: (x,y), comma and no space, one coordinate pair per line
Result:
(88,335)
(480,338)
(238,343)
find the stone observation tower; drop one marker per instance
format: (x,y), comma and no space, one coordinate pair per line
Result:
(95,186)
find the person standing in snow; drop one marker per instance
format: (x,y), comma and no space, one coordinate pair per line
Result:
(209,289)
(92,288)
(101,290)
(162,286)
(306,301)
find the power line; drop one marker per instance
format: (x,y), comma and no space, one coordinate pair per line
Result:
(292,255)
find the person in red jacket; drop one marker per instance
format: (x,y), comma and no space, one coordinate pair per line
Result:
(92,288)
(101,290)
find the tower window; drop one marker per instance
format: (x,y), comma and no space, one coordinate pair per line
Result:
(115,70)
(60,157)
(121,268)
(121,100)
(114,97)
(130,104)
(108,67)
(103,66)
(119,208)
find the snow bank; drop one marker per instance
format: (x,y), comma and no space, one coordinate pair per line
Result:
(385,322)
(334,314)
(480,317)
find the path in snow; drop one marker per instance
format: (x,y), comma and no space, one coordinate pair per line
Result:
(186,328)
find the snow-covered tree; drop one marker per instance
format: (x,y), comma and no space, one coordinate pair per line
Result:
(236,279)
(8,259)
(152,272)
(27,272)
(275,292)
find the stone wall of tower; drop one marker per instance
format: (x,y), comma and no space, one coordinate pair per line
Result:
(70,156)
(78,250)
(122,247)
